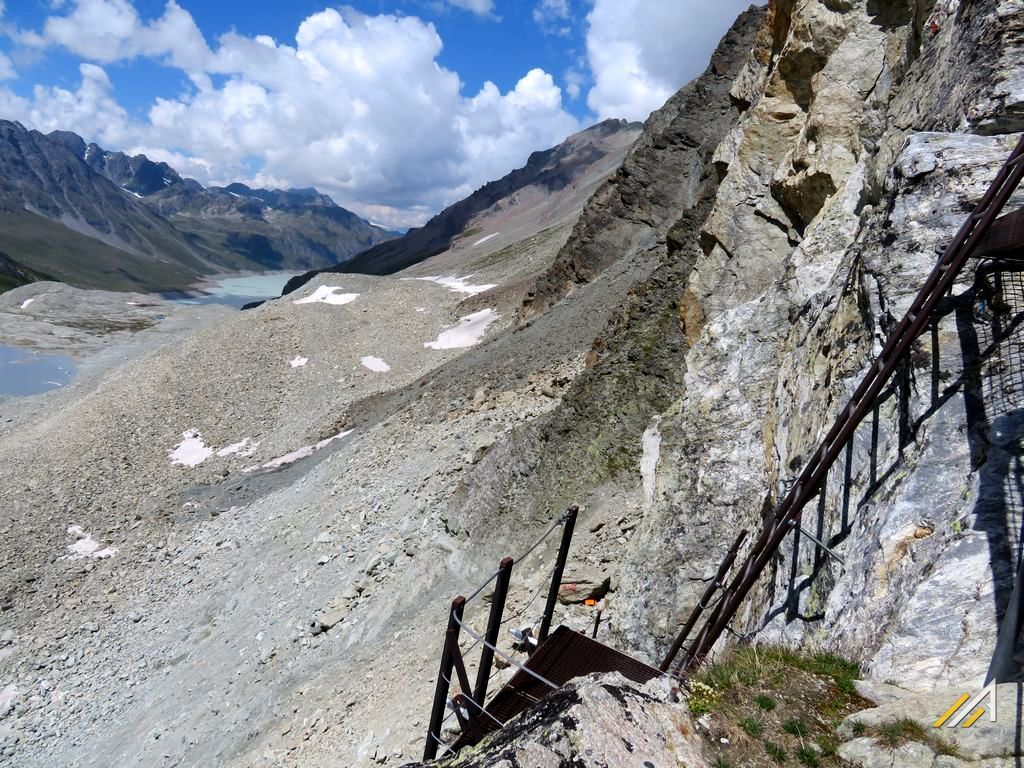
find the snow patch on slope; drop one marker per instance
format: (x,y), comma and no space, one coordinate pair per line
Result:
(459,284)
(468,332)
(243,448)
(484,239)
(191,451)
(86,546)
(300,453)
(328,294)
(375,364)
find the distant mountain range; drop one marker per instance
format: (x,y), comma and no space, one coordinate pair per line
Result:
(553,175)
(72,211)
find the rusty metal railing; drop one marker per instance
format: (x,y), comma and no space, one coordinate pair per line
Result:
(787,514)
(469,703)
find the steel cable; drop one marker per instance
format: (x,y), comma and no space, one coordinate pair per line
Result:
(504,656)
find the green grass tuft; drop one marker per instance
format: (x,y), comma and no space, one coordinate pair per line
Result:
(897,732)
(767,703)
(807,756)
(945,747)
(829,746)
(752,726)
(775,752)
(795,727)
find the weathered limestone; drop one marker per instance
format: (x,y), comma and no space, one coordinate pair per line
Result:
(836,194)
(592,722)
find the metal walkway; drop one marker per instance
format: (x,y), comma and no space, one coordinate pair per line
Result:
(568,654)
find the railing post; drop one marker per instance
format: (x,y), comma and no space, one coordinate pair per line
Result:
(716,582)
(556,576)
(468,718)
(443,677)
(483,672)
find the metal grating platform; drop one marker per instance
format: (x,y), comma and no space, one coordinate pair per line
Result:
(1004,240)
(563,656)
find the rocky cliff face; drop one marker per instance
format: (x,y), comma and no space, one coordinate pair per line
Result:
(663,178)
(870,130)
(857,136)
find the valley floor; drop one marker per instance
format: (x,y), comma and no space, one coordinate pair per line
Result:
(226,542)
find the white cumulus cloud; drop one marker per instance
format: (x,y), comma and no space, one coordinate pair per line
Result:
(111,30)
(552,16)
(91,109)
(642,51)
(356,105)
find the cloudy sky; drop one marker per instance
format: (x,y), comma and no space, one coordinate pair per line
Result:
(395,107)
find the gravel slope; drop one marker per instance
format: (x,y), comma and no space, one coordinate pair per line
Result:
(200,640)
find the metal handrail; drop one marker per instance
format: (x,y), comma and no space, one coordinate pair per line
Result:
(894,352)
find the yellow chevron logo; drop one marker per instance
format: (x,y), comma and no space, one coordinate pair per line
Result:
(965,711)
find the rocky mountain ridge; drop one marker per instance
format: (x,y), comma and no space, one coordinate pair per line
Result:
(144,226)
(589,153)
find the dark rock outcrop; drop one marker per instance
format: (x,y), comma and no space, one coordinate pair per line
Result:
(13,274)
(663,176)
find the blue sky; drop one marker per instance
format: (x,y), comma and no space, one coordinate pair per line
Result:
(499,47)
(395,107)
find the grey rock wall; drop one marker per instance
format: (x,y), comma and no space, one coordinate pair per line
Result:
(871,134)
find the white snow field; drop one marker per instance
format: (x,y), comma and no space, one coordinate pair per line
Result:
(299,453)
(87,546)
(191,451)
(468,332)
(328,294)
(484,239)
(459,284)
(375,364)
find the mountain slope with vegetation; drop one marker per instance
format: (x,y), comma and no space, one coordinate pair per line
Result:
(94,218)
